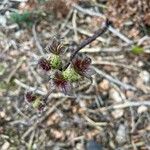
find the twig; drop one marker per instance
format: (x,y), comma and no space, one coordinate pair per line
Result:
(36,40)
(115,64)
(97,125)
(29,87)
(87,11)
(66,20)
(75,25)
(51,110)
(52,95)
(87,33)
(120,35)
(99,49)
(21,122)
(15,70)
(110,28)
(124,105)
(31,140)
(88,41)
(118,82)
(20,112)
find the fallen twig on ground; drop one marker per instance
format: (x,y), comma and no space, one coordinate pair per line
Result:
(120,106)
(116,81)
(37,40)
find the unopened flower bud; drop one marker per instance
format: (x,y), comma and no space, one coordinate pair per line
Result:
(37,103)
(44,64)
(70,75)
(55,61)
(82,65)
(61,84)
(30,97)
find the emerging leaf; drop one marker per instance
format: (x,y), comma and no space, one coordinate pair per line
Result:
(137,50)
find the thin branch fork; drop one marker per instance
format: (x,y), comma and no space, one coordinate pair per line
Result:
(87,41)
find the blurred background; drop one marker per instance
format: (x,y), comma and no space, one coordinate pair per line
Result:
(112,113)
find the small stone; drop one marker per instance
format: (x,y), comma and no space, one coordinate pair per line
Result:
(117,113)
(114,95)
(93,145)
(125,80)
(104,85)
(142,109)
(57,134)
(79,146)
(145,76)
(121,134)
(82,104)
(140,64)
(53,119)
(148,128)
(130,94)
(3,20)
(19,33)
(2,114)
(5,146)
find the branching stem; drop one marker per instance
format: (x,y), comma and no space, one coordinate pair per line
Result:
(87,41)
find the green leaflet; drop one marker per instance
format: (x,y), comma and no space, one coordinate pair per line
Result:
(137,50)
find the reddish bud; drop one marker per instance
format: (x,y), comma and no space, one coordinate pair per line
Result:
(55,47)
(30,96)
(41,107)
(61,83)
(82,65)
(44,64)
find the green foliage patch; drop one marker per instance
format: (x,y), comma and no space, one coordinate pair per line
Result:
(25,17)
(137,50)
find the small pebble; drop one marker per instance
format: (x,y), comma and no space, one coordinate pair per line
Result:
(142,109)
(114,95)
(140,64)
(92,145)
(79,146)
(3,20)
(121,134)
(125,80)
(2,114)
(145,76)
(82,104)
(104,85)
(5,146)
(130,94)
(19,33)
(118,113)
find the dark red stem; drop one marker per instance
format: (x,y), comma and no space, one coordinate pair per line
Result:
(87,41)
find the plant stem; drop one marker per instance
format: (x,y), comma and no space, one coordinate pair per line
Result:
(87,41)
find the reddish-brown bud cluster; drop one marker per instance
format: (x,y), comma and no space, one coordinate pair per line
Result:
(60,83)
(55,47)
(82,65)
(44,64)
(30,97)
(63,75)
(35,101)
